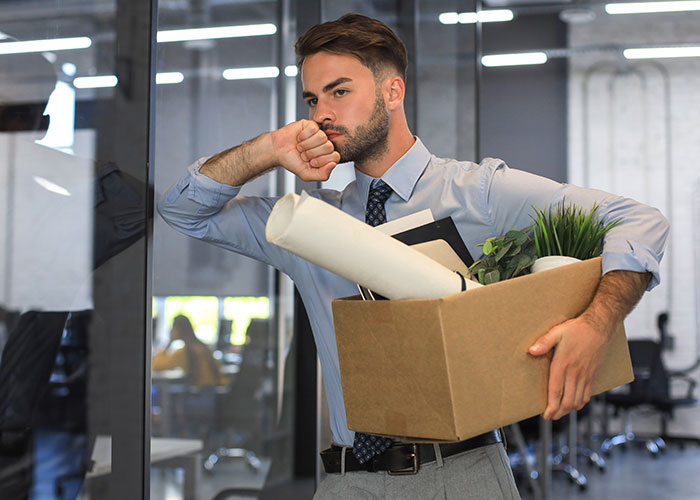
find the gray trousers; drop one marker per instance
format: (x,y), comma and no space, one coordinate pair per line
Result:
(483,474)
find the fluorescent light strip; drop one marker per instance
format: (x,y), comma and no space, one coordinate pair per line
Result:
(291,70)
(484,16)
(522,59)
(651,7)
(661,52)
(169,78)
(251,73)
(50,45)
(216,32)
(95,82)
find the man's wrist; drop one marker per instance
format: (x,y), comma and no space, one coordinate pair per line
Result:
(264,147)
(617,294)
(600,321)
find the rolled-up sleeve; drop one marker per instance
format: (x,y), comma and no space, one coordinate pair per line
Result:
(636,244)
(202,208)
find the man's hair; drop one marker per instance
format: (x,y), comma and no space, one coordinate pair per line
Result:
(369,40)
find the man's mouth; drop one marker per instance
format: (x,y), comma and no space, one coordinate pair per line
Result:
(332,135)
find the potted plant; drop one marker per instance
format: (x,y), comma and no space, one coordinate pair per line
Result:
(565,233)
(504,257)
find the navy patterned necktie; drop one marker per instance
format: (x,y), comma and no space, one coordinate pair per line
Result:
(366,446)
(378,194)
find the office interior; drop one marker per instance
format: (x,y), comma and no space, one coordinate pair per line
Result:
(93,280)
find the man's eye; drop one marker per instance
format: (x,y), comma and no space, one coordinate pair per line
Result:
(311,102)
(341,92)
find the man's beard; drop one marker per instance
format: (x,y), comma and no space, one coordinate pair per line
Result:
(370,141)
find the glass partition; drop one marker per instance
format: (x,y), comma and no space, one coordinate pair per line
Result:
(222,345)
(74,156)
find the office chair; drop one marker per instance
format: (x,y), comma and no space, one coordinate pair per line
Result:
(667,404)
(523,459)
(650,389)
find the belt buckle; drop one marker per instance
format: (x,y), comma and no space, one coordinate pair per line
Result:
(414,468)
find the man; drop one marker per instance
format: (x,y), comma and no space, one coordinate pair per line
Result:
(353,73)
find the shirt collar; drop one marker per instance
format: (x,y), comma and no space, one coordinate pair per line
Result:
(403,175)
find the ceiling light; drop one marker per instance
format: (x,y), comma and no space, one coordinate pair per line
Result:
(449,18)
(69,69)
(651,7)
(291,70)
(494,16)
(521,59)
(45,45)
(661,52)
(95,82)
(217,32)
(484,16)
(251,73)
(168,78)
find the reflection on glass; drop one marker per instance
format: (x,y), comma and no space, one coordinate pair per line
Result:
(47,261)
(70,209)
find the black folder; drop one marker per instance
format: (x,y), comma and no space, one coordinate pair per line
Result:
(443,229)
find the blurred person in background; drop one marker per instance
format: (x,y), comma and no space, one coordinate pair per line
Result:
(194,357)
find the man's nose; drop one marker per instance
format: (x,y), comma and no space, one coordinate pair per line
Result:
(323,113)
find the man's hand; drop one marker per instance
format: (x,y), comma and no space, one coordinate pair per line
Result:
(578,354)
(304,149)
(579,343)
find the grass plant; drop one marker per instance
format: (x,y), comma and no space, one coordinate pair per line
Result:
(566,229)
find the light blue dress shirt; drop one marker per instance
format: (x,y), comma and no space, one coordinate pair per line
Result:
(484,200)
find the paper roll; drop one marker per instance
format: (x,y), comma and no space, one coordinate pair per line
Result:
(336,241)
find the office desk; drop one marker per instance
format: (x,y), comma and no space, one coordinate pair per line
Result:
(165,452)
(168,382)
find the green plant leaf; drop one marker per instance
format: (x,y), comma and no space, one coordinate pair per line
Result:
(492,276)
(503,251)
(519,238)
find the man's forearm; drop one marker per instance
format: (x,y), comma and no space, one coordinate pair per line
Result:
(238,165)
(617,294)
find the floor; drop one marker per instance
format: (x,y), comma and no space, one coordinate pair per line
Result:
(630,474)
(634,474)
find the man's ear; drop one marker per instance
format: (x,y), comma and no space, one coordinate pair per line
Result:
(394,92)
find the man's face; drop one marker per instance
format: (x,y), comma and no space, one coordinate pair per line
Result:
(345,100)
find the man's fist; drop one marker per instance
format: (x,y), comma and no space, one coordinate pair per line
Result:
(304,149)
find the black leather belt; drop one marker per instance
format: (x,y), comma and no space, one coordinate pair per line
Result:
(402,458)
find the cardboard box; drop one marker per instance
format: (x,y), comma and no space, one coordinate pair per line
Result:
(457,366)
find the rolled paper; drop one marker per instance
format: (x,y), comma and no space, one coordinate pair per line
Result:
(336,241)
